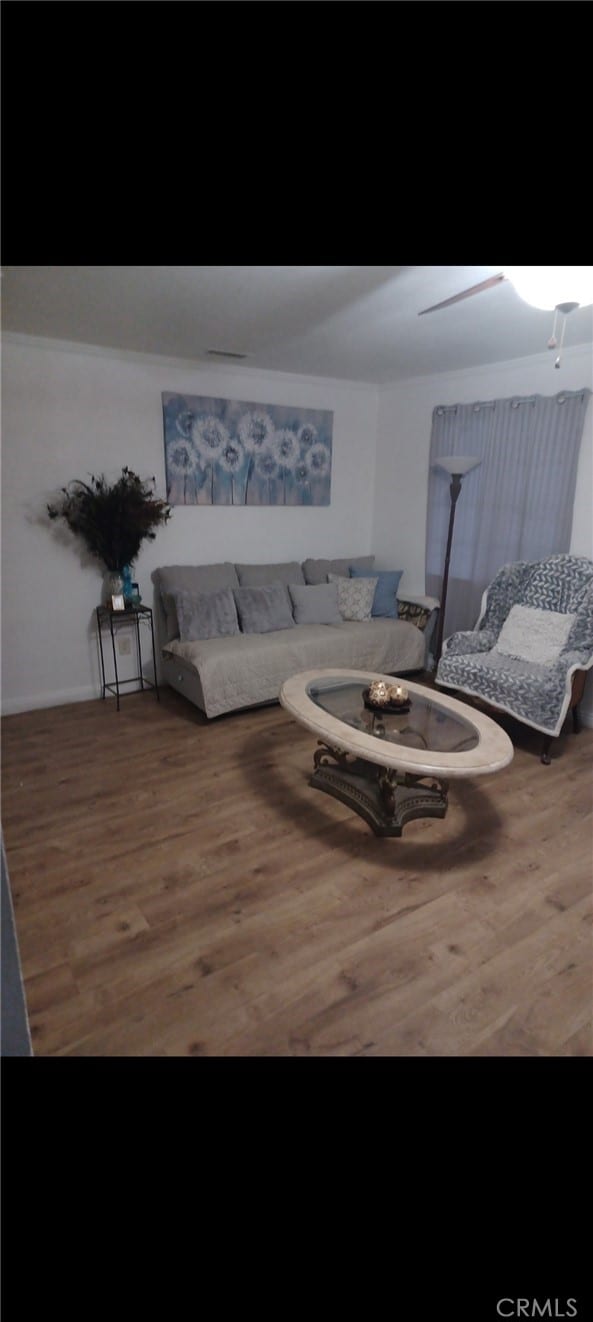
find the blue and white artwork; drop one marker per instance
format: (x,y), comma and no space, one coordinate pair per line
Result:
(228,452)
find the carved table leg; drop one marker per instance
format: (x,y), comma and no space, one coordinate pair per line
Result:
(383,796)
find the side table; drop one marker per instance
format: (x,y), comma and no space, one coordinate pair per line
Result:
(134,615)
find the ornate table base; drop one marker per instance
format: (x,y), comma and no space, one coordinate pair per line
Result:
(384,797)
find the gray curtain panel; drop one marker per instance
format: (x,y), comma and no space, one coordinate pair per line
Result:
(518,505)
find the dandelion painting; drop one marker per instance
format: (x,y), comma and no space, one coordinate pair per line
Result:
(228,452)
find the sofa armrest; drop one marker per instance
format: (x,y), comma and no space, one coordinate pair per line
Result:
(429,603)
(571,659)
(467,641)
(423,614)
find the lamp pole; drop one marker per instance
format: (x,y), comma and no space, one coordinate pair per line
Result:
(457,466)
(454,490)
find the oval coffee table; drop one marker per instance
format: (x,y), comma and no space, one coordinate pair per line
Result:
(391,768)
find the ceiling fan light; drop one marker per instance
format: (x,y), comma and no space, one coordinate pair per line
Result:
(548,286)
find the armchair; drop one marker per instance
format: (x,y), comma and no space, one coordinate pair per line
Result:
(531,665)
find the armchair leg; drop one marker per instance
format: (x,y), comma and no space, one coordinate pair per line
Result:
(545,757)
(576,720)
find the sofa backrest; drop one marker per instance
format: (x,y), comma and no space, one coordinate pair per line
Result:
(190,578)
(255,576)
(558,583)
(562,583)
(209,578)
(316,571)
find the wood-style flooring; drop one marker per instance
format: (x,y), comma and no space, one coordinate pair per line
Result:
(180,890)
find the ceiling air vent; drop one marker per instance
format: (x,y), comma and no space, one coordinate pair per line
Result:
(224,353)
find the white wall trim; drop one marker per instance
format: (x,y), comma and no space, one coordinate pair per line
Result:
(572,354)
(60,698)
(203,363)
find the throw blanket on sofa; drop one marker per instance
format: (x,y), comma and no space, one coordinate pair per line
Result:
(246,669)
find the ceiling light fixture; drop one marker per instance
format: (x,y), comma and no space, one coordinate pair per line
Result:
(563,288)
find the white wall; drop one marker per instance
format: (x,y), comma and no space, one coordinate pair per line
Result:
(68,412)
(403,447)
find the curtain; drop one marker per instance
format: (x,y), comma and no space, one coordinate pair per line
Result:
(517,505)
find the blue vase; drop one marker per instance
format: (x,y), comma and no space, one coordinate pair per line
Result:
(126,574)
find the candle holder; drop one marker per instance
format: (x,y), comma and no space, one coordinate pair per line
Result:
(383,697)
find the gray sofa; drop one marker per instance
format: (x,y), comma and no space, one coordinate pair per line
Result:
(227,673)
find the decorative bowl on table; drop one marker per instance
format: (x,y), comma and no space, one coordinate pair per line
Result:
(392,698)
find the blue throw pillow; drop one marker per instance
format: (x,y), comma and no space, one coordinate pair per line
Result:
(385,599)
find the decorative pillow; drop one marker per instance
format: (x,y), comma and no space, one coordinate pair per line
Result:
(355,596)
(385,600)
(190,578)
(316,571)
(255,576)
(204,615)
(262,610)
(315,603)
(533,634)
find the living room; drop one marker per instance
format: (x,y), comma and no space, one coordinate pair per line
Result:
(178,887)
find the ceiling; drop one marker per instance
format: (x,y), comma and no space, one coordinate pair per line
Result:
(356,323)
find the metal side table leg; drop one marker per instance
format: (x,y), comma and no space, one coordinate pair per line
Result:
(156,683)
(114,660)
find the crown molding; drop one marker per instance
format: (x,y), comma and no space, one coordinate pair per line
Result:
(222,369)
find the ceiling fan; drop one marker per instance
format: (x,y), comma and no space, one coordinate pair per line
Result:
(542,287)
(467,293)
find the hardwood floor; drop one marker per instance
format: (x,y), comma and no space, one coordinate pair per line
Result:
(179,889)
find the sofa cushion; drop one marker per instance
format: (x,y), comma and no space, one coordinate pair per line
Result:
(253,576)
(264,609)
(315,603)
(238,672)
(532,634)
(190,578)
(204,615)
(385,599)
(316,571)
(355,596)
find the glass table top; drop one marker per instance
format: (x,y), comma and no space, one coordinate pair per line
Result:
(426,725)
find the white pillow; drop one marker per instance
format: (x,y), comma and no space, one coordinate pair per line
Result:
(534,635)
(355,596)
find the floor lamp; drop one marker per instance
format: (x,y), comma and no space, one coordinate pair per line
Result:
(457,465)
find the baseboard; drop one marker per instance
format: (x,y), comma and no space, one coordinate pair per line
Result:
(12,705)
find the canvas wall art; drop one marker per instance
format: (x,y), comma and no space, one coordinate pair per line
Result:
(229,452)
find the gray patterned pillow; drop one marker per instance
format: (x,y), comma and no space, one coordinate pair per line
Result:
(204,615)
(355,596)
(262,610)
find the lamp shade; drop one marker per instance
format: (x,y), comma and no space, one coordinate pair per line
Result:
(459,464)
